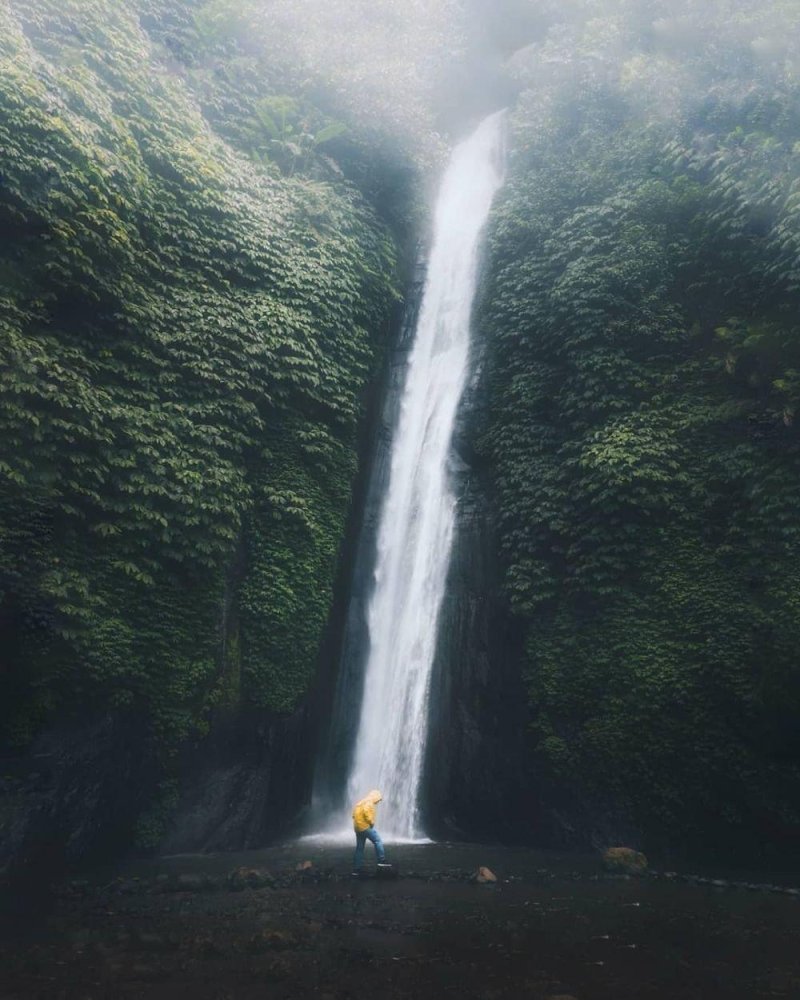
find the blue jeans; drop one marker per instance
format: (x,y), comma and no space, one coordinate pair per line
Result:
(362,836)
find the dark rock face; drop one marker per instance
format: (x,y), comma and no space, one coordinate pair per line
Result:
(244,784)
(476,766)
(76,792)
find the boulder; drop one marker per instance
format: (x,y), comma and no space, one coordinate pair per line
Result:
(485,876)
(304,866)
(624,860)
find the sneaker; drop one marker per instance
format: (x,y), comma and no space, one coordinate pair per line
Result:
(384,864)
(356,874)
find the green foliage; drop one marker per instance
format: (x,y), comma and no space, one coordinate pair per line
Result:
(184,340)
(641,308)
(379,65)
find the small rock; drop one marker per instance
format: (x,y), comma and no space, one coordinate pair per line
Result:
(304,866)
(625,860)
(249,878)
(485,876)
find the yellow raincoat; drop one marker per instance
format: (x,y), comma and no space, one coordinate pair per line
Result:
(364,811)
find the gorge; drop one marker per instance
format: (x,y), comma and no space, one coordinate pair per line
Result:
(211,215)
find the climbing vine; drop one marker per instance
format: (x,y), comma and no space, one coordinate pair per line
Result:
(641,310)
(189,313)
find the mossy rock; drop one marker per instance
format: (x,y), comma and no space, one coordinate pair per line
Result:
(624,860)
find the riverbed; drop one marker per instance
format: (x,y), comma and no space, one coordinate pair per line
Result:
(292,922)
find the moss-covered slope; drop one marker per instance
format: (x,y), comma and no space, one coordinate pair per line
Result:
(186,328)
(642,312)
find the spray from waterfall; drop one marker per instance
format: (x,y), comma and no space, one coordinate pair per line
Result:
(418,516)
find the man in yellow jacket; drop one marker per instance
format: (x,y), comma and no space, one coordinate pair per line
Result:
(364,826)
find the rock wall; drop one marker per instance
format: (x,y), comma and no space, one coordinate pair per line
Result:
(242,786)
(76,792)
(476,757)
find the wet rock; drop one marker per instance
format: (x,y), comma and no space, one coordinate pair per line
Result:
(77,790)
(249,878)
(624,860)
(485,876)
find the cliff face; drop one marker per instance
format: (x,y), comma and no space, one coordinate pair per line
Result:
(642,441)
(483,778)
(79,789)
(190,316)
(477,761)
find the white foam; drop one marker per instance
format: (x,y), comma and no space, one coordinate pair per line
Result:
(418,515)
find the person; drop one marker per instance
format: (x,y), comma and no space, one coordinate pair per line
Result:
(364,826)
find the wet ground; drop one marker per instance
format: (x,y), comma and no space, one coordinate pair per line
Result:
(235,927)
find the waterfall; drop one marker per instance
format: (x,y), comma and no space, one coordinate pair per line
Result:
(418,513)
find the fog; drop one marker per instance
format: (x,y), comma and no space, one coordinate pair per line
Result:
(420,68)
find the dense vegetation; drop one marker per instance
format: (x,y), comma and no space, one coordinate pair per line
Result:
(642,310)
(201,207)
(192,298)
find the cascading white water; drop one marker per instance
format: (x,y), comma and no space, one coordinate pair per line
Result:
(416,527)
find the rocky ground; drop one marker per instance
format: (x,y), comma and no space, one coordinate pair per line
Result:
(291,922)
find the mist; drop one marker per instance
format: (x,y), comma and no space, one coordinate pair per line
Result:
(234,233)
(418,71)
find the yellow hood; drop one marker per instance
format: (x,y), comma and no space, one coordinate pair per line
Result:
(364,811)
